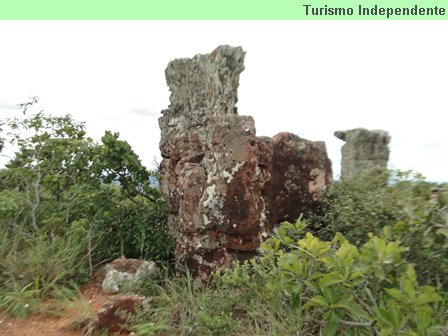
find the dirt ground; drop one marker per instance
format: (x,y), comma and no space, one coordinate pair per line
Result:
(35,326)
(46,325)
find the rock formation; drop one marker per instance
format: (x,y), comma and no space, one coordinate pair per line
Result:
(226,188)
(363,150)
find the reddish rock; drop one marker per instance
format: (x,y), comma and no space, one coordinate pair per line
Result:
(114,313)
(300,172)
(225,187)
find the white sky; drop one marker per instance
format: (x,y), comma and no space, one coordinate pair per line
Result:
(306,77)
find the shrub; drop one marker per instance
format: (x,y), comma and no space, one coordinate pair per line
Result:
(424,229)
(59,178)
(339,289)
(68,203)
(356,207)
(129,229)
(408,204)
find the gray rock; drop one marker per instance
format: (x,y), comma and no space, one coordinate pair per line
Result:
(127,274)
(363,150)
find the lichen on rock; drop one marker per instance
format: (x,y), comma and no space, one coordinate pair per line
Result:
(127,274)
(225,187)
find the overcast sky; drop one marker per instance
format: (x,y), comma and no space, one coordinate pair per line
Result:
(309,78)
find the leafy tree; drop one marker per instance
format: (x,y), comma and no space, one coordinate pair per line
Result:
(118,163)
(49,164)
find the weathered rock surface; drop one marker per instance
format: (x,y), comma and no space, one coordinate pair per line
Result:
(226,188)
(127,274)
(363,150)
(114,313)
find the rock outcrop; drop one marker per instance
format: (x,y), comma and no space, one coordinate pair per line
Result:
(363,150)
(226,188)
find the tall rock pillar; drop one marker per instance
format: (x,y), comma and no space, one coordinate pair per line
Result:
(363,150)
(226,188)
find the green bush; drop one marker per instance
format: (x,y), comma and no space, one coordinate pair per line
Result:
(424,229)
(339,289)
(408,204)
(356,207)
(129,229)
(68,204)
(60,178)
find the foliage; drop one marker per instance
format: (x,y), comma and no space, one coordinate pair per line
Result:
(83,319)
(32,266)
(61,179)
(68,203)
(19,299)
(424,229)
(118,163)
(122,227)
(180,305)
(415,209)
(53,158)
(302,285)
(43,261)
(356,207)
(374,261)
(339,289)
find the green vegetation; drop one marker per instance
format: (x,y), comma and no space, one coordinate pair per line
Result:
(373,261)
(341,289)
(416,212)
(68,204)
(302,285)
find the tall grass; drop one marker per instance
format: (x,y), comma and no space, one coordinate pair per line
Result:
(180,305)
(33,265)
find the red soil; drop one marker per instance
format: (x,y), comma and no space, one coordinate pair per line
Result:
(44,325)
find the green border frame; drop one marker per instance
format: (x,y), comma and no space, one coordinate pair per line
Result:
(204,9)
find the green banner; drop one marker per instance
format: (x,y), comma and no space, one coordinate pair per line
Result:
(223,10)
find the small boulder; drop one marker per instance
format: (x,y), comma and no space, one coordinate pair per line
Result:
(115,312)
(127,274)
